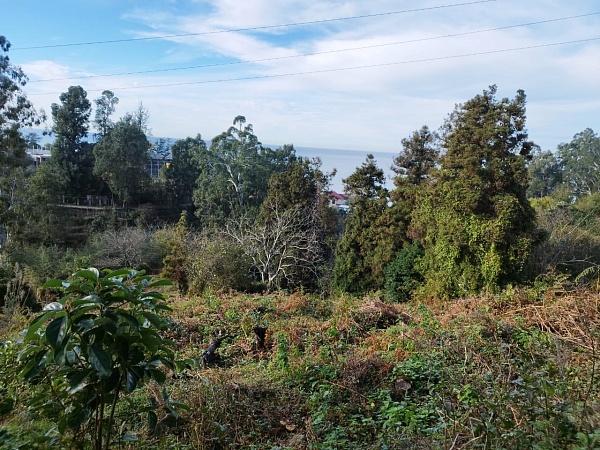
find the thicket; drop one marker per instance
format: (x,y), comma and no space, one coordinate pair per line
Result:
(514,370)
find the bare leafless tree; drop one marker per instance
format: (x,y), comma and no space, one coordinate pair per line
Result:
(129,247)
(281,246)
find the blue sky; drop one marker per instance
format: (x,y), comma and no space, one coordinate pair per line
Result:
(328,106)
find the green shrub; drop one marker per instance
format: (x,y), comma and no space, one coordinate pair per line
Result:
(401,275)
(217,263)
(42,262)
(97,343)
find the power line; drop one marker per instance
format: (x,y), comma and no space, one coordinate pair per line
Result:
(265,27)
(341,69)
(276,58)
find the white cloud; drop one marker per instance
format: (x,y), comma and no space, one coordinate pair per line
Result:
(371,108)
(45,69)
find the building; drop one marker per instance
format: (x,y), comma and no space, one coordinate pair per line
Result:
(337,200)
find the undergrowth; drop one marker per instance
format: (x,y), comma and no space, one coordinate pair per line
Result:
(517,370)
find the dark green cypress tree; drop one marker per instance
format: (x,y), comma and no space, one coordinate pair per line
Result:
(475,223)
(362,252)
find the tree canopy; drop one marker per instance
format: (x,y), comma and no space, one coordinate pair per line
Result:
(71,152)
(360,257)
(475,223)
(580,163)
(122,159)
(234,173)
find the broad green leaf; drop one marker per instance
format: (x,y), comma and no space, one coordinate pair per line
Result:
(60,352)
(152,420)
(159,283)
(37,323)
(129,318)
(35,365)
(155,361)
(100,360)
(56,331)
(168,363)
(78,381)
(112,382)
(107,324)
(136,355)
(163,308)
(153,319)
(52,284)
(81,316)
(54,306)
(179,405)
(134,375)
(24,354)
(91,274)
(172,410)
(117,273)
(81,287)
(77,417)
(158,375)
(150,340)
(73,356)
(87,300)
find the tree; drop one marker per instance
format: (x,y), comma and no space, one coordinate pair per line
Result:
(362,252)
(174,263)
(545,174)
(105,107)
(183,171)
(16,111)
(141,117)
(580,162)
(475,223)
(417,159)
(280,247)
(71,154)
(234,173)
(414,167)
(122,158)
(302,189)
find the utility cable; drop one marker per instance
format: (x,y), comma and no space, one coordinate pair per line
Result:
(265,27)
(341,69)
(277,58)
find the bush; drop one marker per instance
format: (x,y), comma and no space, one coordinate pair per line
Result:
(401,276)
(217,263)
(96,344)
(133,248)
(40,263)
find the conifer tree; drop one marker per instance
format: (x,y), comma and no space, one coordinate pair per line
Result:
(360,255)
(475,223)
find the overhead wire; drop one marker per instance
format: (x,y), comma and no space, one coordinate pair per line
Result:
(314,72)
(256,28)
(276,58)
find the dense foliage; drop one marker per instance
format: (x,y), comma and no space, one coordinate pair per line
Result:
(476,224)
(517,370)
(98,342)
(347,345)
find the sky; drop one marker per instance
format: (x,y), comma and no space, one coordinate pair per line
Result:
(329,74)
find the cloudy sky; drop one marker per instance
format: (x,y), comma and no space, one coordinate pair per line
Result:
(343,74)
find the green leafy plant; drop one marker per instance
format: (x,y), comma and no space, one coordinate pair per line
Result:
(401,276)
(99,342)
